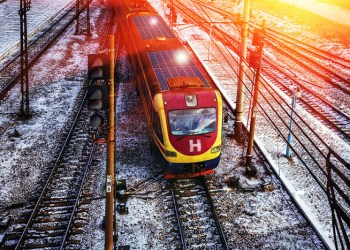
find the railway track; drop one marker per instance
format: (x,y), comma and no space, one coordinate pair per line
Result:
(329,76)
(339,65)
(195,222)
(152,220)
(332,117)
(309,147)
(42,41)
(56,219)
(51,218)
(318,105)
(37,20)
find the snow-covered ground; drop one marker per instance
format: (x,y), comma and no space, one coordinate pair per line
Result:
(54,84)
(267,219)
(37,19)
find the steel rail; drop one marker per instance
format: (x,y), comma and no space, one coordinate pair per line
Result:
(56,164)
(216,218)
(35,58)
(50,178)
(77,202)
(227,38)
(177,214)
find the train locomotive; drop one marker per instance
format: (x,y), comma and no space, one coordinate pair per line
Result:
(182,107)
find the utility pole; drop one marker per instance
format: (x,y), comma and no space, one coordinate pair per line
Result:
(258,41)
(241,75)
(77,11)
(24,7)
(110,180)
(88,30)
(296,93)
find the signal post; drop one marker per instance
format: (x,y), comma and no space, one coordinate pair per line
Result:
(241,75)
(110,180)
(255,62)
(101,98)
(24,7)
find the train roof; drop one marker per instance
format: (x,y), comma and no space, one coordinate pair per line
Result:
(152,27)
(172,64)
(176,69)
(139,6)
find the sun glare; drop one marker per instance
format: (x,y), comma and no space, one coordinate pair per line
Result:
(331,9)
(154,21)
(181,57)
(299,2)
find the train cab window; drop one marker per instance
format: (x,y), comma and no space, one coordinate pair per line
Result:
(192,121)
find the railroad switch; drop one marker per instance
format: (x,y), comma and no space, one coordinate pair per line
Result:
(120,185)
(120,190)
(251,171)
(268,187)
(233,182)
(122,208)
(100,141)
(127,247)
(122,195)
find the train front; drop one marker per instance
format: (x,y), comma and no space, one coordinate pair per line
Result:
(193,118)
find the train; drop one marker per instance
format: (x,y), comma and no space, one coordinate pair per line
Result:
(183,109)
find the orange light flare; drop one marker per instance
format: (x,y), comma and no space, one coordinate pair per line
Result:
(154,21)
(181,57)
(322,7)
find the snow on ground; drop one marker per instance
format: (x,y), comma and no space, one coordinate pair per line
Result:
(53,91)
(55,82)
(251,216)
(290,171)
(37,18)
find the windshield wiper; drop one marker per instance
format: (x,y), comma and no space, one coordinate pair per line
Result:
(183,135)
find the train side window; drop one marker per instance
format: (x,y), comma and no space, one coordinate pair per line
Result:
(157,127)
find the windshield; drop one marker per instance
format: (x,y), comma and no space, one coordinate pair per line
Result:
(192,121)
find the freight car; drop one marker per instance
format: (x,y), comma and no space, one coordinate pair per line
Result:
(182,107)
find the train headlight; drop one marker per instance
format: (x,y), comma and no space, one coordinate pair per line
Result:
(170,153)
(191,100)
(215,149)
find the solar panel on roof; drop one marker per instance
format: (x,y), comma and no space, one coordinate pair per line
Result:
(166,66)
(151,27)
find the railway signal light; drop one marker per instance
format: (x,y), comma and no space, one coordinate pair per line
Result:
(259,37)
(96,120)
(97,100)
(254,59)
(98,89)
(98,66)
(98,96)
(255,55)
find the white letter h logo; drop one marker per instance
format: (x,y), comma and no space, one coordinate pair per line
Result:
(195,145)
